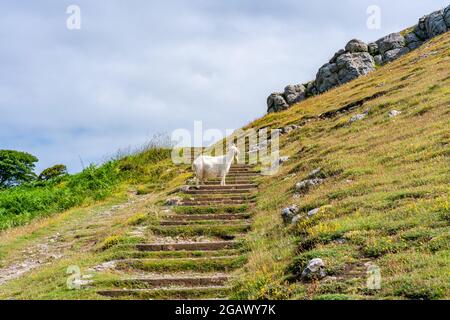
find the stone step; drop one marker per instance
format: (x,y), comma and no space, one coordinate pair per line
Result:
(194,210)
(203,264)
(223,231)
(132,253)
(214,202)
(197,223)
(219,197)
(220,191)
(199,217)
(228,187)
(196,280)
(183,246)
(168,293)
(243,174)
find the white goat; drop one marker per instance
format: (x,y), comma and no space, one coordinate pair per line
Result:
(206,167)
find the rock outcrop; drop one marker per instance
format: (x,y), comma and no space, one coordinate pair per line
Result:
(359,59)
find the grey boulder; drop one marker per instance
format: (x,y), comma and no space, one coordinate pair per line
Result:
(435,24)
(378,59)
(354,65)
(447,16)
(276,102)
(305,185)
(413,41)
(336,55)
(294,93)
(391,42)
(311,89)
(315,270)
(312,212)
(394,54)
(327,77)
(394,113)
(420,29)
(287,214)
(373,49)
(356,45)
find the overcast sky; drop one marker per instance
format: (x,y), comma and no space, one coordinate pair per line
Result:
(139,67)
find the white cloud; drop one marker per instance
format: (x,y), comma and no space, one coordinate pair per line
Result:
(141,67)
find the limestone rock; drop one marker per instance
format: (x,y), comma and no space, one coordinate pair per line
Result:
(314,270)
(311,89)
(354,65)
(305,185)
(327,77)
(289,213)
(394,54)
(356,45)
(316,173)
(173,201)
(391,42)
(336,55)
(276,102)
(283,160)
(394,113)
(294,93)
(447,16)
(312,212)
(420,29)
(378,59)
(373,49)
(359,117)
(412,41)
(435,24)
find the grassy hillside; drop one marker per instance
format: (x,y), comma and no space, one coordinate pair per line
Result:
(22,204)
(384,201)
(385,197)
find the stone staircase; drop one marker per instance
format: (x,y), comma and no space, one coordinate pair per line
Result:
(201,245)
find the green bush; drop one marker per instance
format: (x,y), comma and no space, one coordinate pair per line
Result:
(53,172)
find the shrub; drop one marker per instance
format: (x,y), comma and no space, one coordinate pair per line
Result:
(53,172)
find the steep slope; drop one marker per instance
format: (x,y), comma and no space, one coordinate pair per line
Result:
(382,201)
(384,198)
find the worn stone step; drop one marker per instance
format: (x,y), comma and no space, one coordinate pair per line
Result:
(218,198)
(224,222)
(217,245)
(242,174)
(196,280)
(223,231)
(168,293)
(228,186)
(203,264)
(137,254)
(214,202)
(199,217)
(194,210)
(220,191)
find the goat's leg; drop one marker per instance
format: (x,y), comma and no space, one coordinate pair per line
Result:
(222,182)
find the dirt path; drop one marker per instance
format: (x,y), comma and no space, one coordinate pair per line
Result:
(55,245)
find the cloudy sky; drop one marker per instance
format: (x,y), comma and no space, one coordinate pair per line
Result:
(140,67)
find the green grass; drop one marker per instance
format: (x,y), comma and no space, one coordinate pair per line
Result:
(385,197)
(22,204)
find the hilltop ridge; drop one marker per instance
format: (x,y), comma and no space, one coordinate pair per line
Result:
(358,59)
